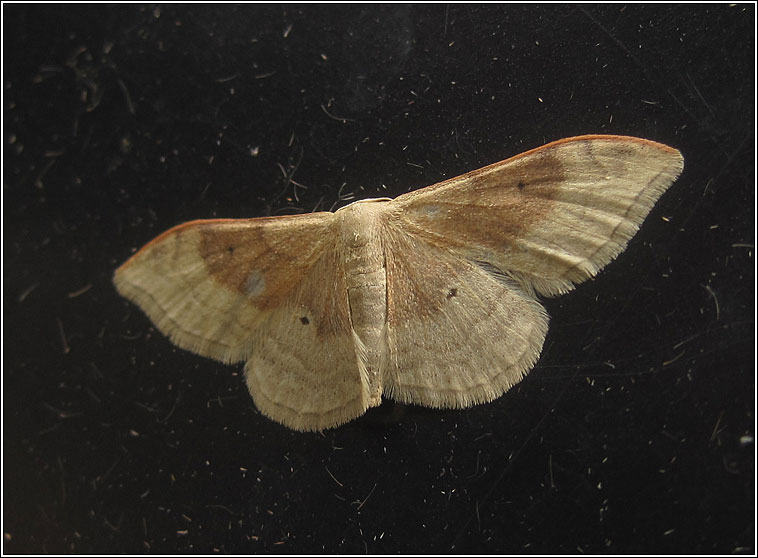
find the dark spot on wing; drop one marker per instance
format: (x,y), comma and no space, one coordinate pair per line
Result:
(304,320)
(453,292)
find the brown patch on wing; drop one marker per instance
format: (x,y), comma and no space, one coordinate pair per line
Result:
(419,283)
(323,297)
(499,202)
(490,207)
(261,262)
(554,215)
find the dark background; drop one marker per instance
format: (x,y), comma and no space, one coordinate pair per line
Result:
(634,433)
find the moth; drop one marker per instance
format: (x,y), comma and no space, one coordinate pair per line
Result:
(429,298)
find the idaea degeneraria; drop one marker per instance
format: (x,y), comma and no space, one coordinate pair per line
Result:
(429,298)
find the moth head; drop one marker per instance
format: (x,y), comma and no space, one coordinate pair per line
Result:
(370,200)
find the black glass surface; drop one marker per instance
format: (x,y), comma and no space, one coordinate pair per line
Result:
(634,432)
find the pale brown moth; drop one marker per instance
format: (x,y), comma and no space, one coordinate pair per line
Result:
(429,298)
